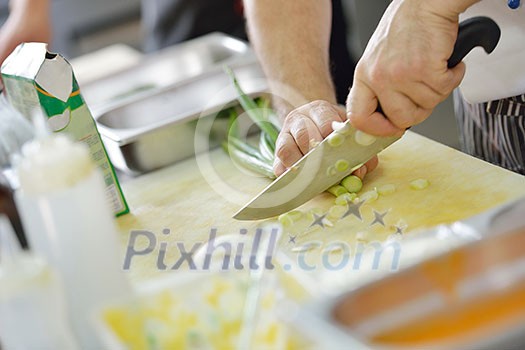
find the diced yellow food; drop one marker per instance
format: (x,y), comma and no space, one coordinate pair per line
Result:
(386,189)
(369,196)
(345,198)
(419,184)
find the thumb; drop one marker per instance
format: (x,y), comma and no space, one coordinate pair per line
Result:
(361,110)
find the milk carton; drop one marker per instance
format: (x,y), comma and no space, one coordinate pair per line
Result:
(35,79)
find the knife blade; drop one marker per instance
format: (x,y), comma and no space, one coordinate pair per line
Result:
(314,172)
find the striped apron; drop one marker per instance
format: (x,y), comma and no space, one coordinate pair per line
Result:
(493,131)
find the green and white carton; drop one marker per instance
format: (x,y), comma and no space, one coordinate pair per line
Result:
(35,79)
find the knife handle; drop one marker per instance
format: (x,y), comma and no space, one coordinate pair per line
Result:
(472,32)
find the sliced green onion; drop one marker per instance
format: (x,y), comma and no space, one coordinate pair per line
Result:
(352,183)
(288,219)
(342,165)
(386,189)
(345,198)
(269,143)
(341,127)
(233,124)
(246,148)
(419,184)
(335,139)
(369,196)
(337,190)
(252,109)
(364,139)
(265,149)
(337,211)
(248,161)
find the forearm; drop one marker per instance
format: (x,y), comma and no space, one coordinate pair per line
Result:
(292,42)
(28,21)
(37,8)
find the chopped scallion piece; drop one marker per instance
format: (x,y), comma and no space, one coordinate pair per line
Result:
(419,184)
(369,196)
(386,189)
(352,183)
(341,127)
(288,219)
(337,190)
(337,211)
(345,198)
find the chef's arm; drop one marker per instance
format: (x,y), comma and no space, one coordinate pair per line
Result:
(292,39)
(404,66)
(28,21)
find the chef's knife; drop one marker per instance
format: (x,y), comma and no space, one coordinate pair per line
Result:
(316,171)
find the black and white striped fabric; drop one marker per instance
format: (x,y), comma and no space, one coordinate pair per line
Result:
(493,131)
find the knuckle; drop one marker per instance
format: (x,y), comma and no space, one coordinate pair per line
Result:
(400,71)
(399,117)
(377,76)
(283,152)
(302,137)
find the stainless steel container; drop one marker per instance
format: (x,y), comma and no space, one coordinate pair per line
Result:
(154,122)
(468,298)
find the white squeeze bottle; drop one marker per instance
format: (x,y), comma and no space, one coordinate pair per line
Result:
(67,219)
(32,309)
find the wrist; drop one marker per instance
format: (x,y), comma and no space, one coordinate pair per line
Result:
(450,8)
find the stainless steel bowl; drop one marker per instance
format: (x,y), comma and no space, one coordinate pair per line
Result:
(483,275)
(156,127)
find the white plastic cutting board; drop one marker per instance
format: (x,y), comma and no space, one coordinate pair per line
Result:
(502,73)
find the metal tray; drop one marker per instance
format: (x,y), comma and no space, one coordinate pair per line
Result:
(154,128)
(166,67)
(478,270)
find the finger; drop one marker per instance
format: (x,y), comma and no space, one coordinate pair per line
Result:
(361,108)
(447,82)
(304,131)
(278,167)
(402,111)
(287,150)
(367,168)
(371,165)
(423,95)
(323,114)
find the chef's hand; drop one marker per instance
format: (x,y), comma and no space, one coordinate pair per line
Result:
(303,128)
(28,21)
(405,66)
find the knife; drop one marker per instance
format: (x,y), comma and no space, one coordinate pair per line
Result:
(315,172)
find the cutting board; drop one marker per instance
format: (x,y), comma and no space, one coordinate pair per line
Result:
(195,196)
